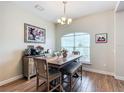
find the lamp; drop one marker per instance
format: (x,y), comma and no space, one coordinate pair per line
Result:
(64,20)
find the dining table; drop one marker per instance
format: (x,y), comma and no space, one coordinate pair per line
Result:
(60,61)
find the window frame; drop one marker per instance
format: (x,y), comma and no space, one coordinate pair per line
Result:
(74,40)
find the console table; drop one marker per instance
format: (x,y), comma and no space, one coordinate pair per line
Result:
(28,67)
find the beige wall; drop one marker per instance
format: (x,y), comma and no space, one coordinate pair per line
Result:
(102,55)
(119,46)
(12,20)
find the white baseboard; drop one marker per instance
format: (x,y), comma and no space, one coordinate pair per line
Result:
(104,72)
(86,69)
(10,80)
(98,71)
(119,77)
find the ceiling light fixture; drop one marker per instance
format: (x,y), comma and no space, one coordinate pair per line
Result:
(64,20)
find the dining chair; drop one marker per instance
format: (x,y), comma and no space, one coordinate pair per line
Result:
(76,52)
(48,76)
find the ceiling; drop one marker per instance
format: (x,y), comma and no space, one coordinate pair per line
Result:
(120,6)
(52,10)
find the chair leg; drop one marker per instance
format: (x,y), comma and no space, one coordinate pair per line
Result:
(70,83)
(81,72)
(47,86)
(37,85)
(62,78)
(62,89)
(60,84)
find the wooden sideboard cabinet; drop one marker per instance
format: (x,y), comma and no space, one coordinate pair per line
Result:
(28,67)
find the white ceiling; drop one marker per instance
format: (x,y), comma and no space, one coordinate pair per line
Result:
(120,6)
(75,9)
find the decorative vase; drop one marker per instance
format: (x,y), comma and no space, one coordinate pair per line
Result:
(64,54)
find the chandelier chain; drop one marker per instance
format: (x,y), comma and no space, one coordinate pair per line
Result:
(64,7)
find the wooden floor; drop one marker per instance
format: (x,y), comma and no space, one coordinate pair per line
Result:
(91,82)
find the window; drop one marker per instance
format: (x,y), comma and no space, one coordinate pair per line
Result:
(77,42)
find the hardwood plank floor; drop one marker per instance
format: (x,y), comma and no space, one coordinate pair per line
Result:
(91,82)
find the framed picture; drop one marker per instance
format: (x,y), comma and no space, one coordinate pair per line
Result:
(101,38)
(33,34)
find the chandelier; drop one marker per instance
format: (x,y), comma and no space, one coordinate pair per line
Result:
(64,20)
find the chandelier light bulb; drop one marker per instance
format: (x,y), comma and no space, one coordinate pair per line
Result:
(62,23)
(69,21)
(59,20)
(63,18)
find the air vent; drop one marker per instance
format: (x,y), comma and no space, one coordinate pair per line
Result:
(38,7)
